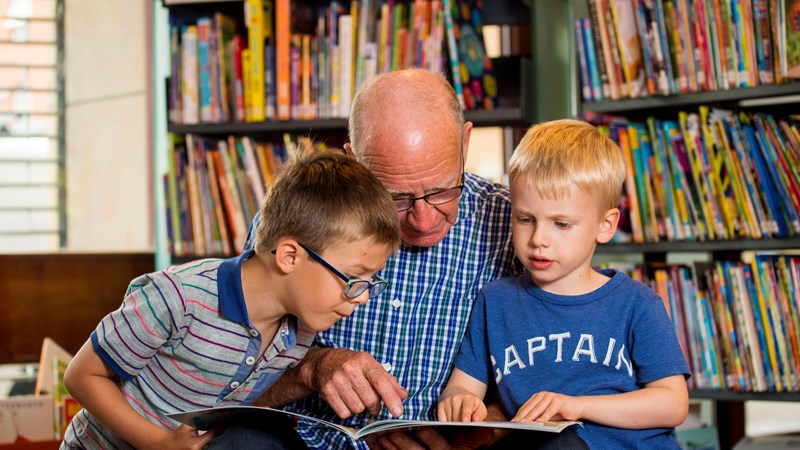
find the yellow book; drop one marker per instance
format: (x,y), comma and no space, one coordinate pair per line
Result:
(254,20)
(736,176)
(247,80)
(630,185)
(765,324)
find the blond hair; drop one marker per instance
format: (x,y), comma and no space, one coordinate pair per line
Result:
(556,155)
(322,198)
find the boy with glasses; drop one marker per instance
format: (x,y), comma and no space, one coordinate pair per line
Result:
(220,332)
(562,340)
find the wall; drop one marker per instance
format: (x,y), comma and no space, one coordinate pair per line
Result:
(109,196)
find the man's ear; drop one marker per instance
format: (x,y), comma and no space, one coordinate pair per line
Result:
(348,149)
(608,225)
(286,255)
(466,133)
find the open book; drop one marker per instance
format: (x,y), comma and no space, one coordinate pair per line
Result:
(204,419)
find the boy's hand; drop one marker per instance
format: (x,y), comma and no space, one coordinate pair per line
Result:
(460,405)
(186,437)
(544,406)
(352,382)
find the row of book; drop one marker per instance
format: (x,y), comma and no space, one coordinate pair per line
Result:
(738,323)
(213,188)
(710,175)
(640,48)
(294,60)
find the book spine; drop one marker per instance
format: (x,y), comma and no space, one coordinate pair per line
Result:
(583,63)
(452,49)
(282,59)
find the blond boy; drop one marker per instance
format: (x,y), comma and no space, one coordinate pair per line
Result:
(562,340)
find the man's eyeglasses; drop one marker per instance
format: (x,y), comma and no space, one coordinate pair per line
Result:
(404,203)
(355,286)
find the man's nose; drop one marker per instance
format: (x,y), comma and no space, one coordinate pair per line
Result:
(422,215)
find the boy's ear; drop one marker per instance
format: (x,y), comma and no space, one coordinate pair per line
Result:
(608,225)
(286,255)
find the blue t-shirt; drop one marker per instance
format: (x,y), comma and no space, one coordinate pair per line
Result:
(613,340)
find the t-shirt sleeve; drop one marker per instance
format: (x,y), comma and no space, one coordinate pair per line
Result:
(656,350)
(473,355)
(150,318)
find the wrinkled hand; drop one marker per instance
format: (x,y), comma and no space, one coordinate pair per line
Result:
(429,438)
(186,437)
(544,406)
(462,406)
(353,382)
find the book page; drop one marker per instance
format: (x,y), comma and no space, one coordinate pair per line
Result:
(204,419)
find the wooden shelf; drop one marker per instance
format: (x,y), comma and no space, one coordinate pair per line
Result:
(744,396)
(731,98)
(702,246)
(511,116)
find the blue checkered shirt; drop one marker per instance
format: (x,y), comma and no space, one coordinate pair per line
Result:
(415,327)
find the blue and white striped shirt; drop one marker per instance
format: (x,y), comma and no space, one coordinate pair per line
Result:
(415,327)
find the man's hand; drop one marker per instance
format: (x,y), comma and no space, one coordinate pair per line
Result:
(352,382)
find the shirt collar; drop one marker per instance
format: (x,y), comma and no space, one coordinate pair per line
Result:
(229,287)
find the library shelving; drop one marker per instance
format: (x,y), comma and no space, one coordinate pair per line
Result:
(762,84)
(224,118)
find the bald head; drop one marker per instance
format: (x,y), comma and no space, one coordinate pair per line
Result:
(415,97)
(407,127)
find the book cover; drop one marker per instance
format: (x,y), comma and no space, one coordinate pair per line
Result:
(204,419)
(452,49)
(602,54)
(255,22)
(596,87)
(583,63)
(190,90)
(630,49)
(475,68)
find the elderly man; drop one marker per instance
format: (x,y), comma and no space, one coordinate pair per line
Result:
(408,128)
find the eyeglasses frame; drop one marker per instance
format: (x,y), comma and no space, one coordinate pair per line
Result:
(427,196)
(379,282)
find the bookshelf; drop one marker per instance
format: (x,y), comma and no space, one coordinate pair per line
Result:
(514,108)
(778,100)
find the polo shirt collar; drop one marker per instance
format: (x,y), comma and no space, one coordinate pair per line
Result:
(229,287)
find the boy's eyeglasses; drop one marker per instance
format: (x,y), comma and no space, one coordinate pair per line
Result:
(355,286)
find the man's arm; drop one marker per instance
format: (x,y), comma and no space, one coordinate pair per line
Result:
(351,382)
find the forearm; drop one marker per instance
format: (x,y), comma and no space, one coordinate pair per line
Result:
(294,384)
(286,390)
(102,397)
(651,407)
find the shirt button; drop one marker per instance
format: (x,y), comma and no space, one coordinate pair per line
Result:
(253,332)
(250,360)
(396,303)
(234,385)
(387,366)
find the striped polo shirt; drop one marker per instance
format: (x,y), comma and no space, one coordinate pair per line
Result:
(183,340)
